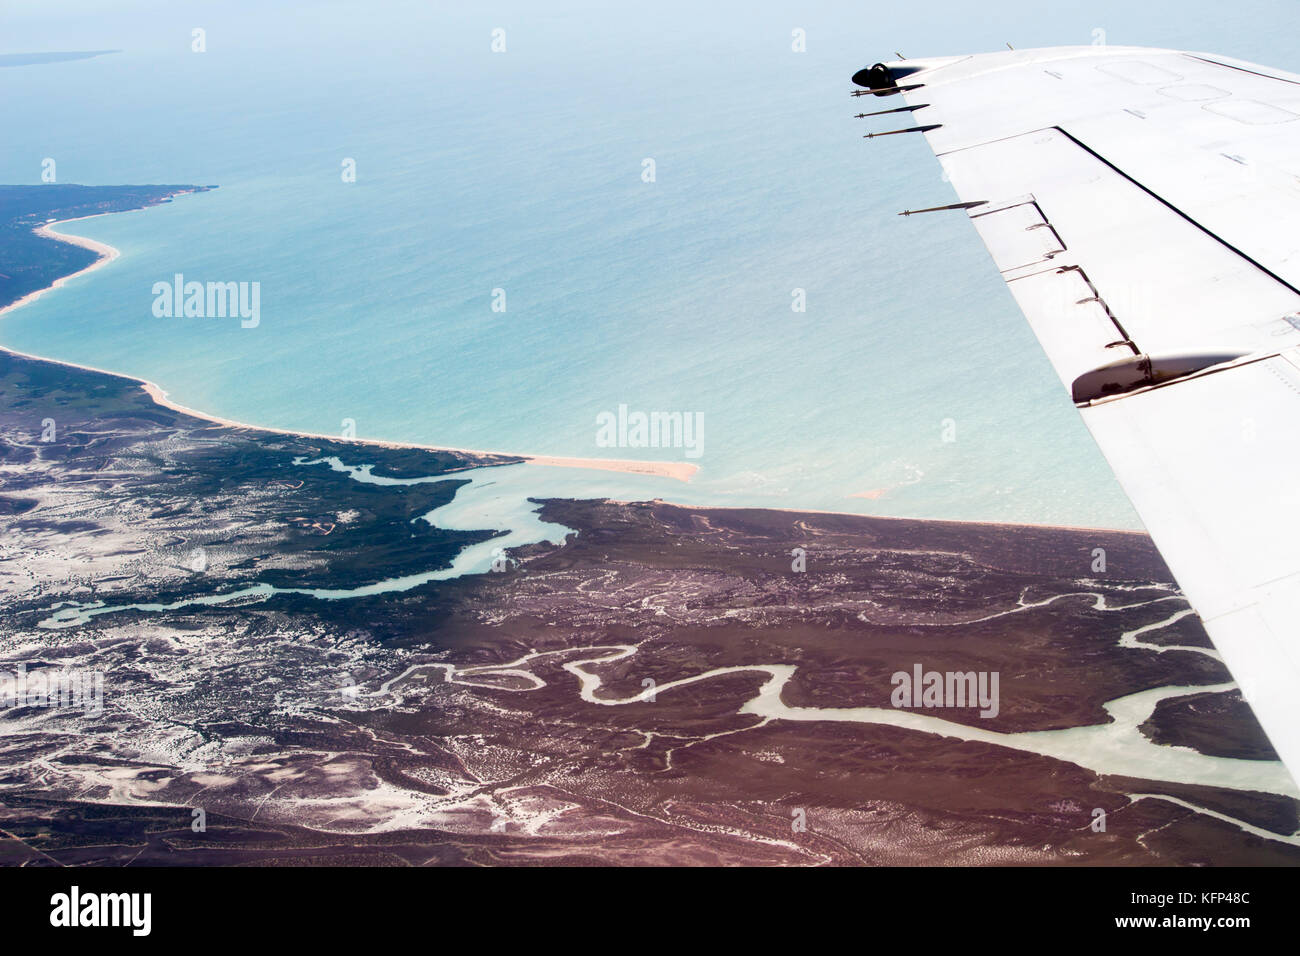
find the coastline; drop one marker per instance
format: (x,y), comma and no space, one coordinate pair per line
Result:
(680,471)
(106,252)
(978,522)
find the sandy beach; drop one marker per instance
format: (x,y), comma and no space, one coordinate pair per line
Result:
(680,471)
(106,252)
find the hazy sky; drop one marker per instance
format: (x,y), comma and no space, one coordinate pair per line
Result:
(1250,29)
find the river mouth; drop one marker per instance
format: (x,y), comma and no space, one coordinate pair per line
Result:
(353,639)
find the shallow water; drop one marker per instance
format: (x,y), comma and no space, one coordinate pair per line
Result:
(522,171)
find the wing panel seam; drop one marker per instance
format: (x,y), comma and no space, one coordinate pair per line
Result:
(1174,209)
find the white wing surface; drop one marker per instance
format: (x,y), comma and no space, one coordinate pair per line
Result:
(1143,207)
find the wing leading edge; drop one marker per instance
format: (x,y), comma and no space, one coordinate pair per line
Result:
(1140,205)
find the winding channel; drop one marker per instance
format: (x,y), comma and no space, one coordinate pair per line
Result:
(1115,748)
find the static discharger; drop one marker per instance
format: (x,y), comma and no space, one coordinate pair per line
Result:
(900,109)
(955,205)
(888,91)
(910,129)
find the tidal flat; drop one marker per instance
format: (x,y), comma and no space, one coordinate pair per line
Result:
(294,670)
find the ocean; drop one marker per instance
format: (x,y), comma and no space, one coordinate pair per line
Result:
(507,264)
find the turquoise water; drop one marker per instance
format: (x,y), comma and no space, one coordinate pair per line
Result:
(522,171)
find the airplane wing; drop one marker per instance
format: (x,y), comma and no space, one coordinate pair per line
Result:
(1143,207)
